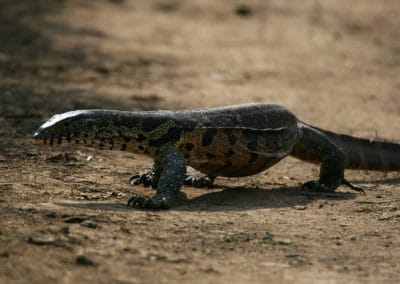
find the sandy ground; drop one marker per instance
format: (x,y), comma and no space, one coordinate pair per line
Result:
(336,64)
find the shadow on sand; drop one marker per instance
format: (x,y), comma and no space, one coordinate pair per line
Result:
(233,199)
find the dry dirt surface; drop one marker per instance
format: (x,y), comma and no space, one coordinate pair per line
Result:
(64,218)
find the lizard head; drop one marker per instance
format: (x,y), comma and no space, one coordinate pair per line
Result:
(64,125)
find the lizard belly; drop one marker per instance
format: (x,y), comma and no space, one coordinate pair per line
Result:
(232,167)
(231,153)
(229,163)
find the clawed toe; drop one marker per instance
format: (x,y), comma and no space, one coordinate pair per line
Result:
(141,202)
(136,201)
(353,187)
(145,179)
(197,179)
(317,186)
(135,179)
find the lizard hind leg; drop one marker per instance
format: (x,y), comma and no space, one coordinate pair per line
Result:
(315,147)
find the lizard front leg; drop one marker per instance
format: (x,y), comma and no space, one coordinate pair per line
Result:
(315,147)
(173,170)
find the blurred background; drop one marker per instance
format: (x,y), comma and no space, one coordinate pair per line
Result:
(325,60)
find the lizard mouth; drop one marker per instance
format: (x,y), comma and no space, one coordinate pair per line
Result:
(38,134)
(46,136)
(41,134)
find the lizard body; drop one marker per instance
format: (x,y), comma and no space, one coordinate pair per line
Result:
(229,141)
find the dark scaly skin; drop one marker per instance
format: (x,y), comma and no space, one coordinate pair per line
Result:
(172,169)
(231,141)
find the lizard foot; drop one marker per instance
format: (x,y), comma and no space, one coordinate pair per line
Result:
(141,202)
(197,179)
(353,187)
(317,186)
(155,202)
(146,179)
(314,185)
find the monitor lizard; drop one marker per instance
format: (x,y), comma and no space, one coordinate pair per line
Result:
(232,141)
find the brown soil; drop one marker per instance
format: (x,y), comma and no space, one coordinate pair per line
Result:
(336,64)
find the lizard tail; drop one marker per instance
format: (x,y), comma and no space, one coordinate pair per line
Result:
(367,154)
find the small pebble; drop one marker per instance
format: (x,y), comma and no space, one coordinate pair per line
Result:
(4,254)
(300,207)
(285,242)
(83,259)
(89,224)
(75,219)
(243,10)
(65,230)
(42,239)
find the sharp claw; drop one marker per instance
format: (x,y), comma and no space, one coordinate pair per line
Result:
(144,179)
(136,201)
(308,185)
(135,180)
(353,187)
(198,180)
(315,185)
